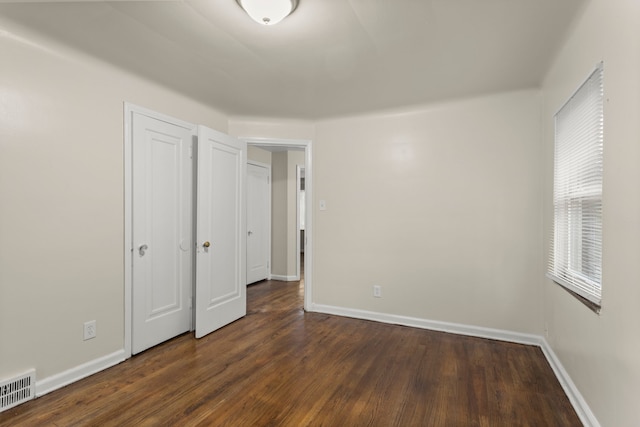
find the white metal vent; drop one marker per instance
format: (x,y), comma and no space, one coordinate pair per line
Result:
(17,390)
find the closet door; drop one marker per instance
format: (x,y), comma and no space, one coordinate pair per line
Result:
(221,231)
(162,253)
(258,222)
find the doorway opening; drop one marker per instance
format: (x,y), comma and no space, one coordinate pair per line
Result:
(298,250)
(300,223)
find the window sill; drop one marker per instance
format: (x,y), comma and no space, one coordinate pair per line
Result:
(589,304)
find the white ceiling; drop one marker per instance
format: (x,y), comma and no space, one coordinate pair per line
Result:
(329,58)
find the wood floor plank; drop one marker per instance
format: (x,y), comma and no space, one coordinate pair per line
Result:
(280,366)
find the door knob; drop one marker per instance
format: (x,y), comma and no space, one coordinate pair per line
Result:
(249,232)
(142,249)
(206,244)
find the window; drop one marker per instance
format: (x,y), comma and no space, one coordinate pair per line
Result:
(576,247)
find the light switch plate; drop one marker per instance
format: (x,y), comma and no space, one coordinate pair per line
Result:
(323,205)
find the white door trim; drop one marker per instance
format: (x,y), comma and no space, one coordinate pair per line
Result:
(268,167)
(129,110)
(298,243)
(308,164)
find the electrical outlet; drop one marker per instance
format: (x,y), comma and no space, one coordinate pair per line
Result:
(377,291)
(89,329)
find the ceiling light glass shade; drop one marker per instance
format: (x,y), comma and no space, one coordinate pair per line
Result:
(268,12)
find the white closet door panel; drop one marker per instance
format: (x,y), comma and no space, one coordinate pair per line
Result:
(162,228)
(221,229)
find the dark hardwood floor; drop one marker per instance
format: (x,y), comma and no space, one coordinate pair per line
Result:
(279,366)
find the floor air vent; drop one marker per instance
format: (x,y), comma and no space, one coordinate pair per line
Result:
(17,390)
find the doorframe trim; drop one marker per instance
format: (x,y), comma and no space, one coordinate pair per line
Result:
(268,168)
(129,110)
(307,145)
(298,243)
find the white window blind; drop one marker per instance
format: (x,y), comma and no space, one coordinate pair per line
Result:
(576,248)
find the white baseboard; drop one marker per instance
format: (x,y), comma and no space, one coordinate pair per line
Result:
(434,325)
(284,278)
(575,397)
(77,373)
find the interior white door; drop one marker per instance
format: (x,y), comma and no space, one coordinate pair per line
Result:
(162,183)
(221,295)
(258,230)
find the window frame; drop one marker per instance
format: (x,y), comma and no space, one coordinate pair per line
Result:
(575,258)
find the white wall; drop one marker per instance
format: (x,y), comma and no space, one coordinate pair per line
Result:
(61,200)
(273,128)
(440,206)
(601,352)
(279,214)
(258,154)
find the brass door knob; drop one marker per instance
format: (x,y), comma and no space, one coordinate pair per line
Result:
(206,244)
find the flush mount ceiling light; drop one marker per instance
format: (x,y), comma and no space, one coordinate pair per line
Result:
(268,12)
